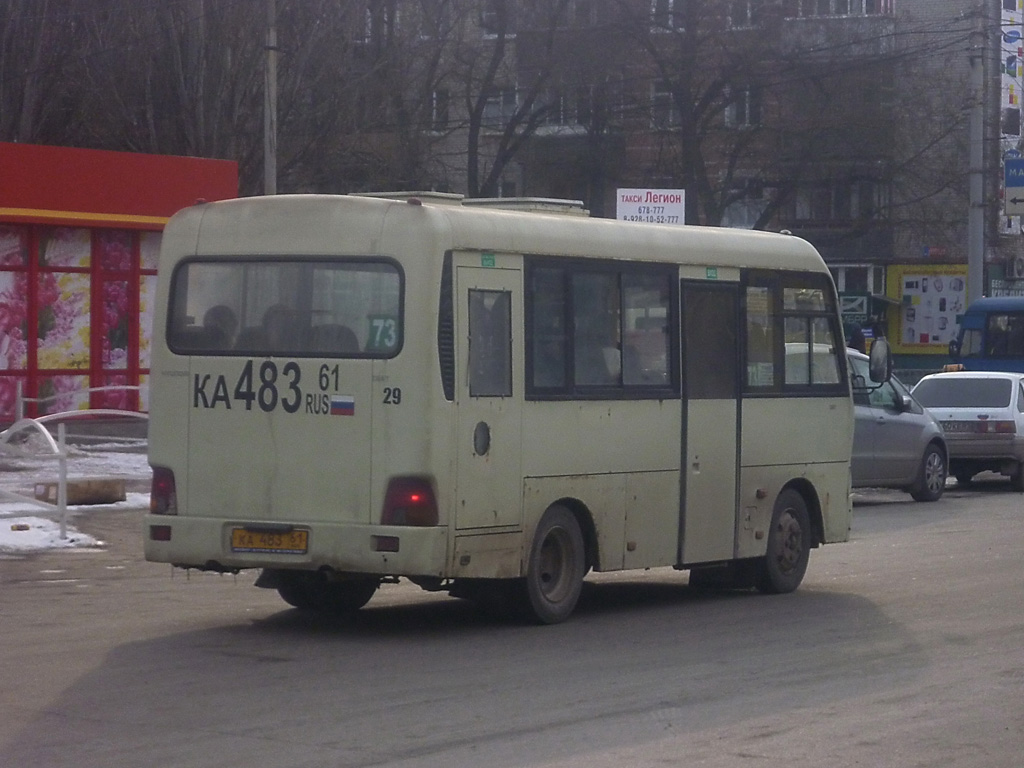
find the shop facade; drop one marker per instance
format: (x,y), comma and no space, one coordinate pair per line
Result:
(79,239)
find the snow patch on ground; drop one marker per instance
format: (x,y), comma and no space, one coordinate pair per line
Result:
(27,527)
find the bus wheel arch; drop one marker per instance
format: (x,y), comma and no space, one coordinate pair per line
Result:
(814,512)
(791,536)
(555,566)
(585,520)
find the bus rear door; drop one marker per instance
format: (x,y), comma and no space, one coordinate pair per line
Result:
(488,318)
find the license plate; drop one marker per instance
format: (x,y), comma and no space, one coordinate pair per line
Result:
(959,426)
(288,543)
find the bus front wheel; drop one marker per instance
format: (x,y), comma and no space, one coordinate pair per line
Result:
(313,591)
(554,576)
(789,545)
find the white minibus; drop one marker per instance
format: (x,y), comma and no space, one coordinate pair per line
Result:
(491,398)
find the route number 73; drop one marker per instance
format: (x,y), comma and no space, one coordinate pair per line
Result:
(383,332)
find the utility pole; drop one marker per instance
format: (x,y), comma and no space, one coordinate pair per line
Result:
(270,104)
(976,208)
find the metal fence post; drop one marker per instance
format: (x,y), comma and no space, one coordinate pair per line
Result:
(62,480)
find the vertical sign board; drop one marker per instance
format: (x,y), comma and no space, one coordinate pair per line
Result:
(930,297)
(655,206)
(1013,176)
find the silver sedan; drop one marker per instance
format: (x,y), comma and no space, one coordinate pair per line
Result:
(897,443)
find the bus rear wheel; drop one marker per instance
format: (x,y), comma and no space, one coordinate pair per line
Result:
(313,591)
(789,545)
(554,575)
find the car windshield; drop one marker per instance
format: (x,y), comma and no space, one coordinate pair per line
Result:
(964,393)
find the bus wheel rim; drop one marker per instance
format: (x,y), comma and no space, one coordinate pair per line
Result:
(555,565)
(790,541)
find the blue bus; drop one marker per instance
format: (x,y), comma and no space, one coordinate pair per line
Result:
(991,335)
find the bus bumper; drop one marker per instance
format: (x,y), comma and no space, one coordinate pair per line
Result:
(211,544)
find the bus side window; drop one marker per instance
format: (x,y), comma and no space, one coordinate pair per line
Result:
(645,342)
(970,343)
(546,330)
(1015,335)
(596,316)
(490,344)
(760,346)
(997,339)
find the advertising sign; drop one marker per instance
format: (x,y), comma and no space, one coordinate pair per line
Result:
(930,298)
(655,206)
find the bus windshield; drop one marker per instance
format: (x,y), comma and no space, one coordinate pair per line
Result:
(991,335)
(298,308)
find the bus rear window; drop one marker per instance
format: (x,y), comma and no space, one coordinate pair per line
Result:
(297,308)
(962,392)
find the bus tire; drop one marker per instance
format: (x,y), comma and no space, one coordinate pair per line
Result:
(789,545)
(931,476)
(312,591)
(554,572)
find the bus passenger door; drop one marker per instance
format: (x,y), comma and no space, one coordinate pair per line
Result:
(489,319)
(710,317)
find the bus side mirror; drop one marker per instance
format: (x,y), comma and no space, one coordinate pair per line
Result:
(880,361)
(954,349)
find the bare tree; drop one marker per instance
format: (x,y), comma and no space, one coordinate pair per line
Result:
(176,78)
(37,47)
(502,81)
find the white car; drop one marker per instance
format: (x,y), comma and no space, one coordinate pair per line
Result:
(982,414)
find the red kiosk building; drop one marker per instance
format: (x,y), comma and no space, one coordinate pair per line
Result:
(79,237)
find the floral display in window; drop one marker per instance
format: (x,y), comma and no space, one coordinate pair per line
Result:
(115,398)
(147,300)
(114,324)
(58,394)
(115,250)
(63,320)
(64,247)
(9,395)
(13,321)
(13,246)
(149,250)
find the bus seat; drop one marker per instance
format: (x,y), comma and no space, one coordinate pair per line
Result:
(196,337)
(334,338)
(251,338)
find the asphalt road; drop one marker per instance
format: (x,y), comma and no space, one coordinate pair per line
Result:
(904,647)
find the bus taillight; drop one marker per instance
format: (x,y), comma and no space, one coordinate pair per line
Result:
(409,501)
(163,499)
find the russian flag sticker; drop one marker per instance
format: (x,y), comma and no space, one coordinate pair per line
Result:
(343,405)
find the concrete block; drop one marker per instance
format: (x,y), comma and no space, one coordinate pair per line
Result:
(96,490)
